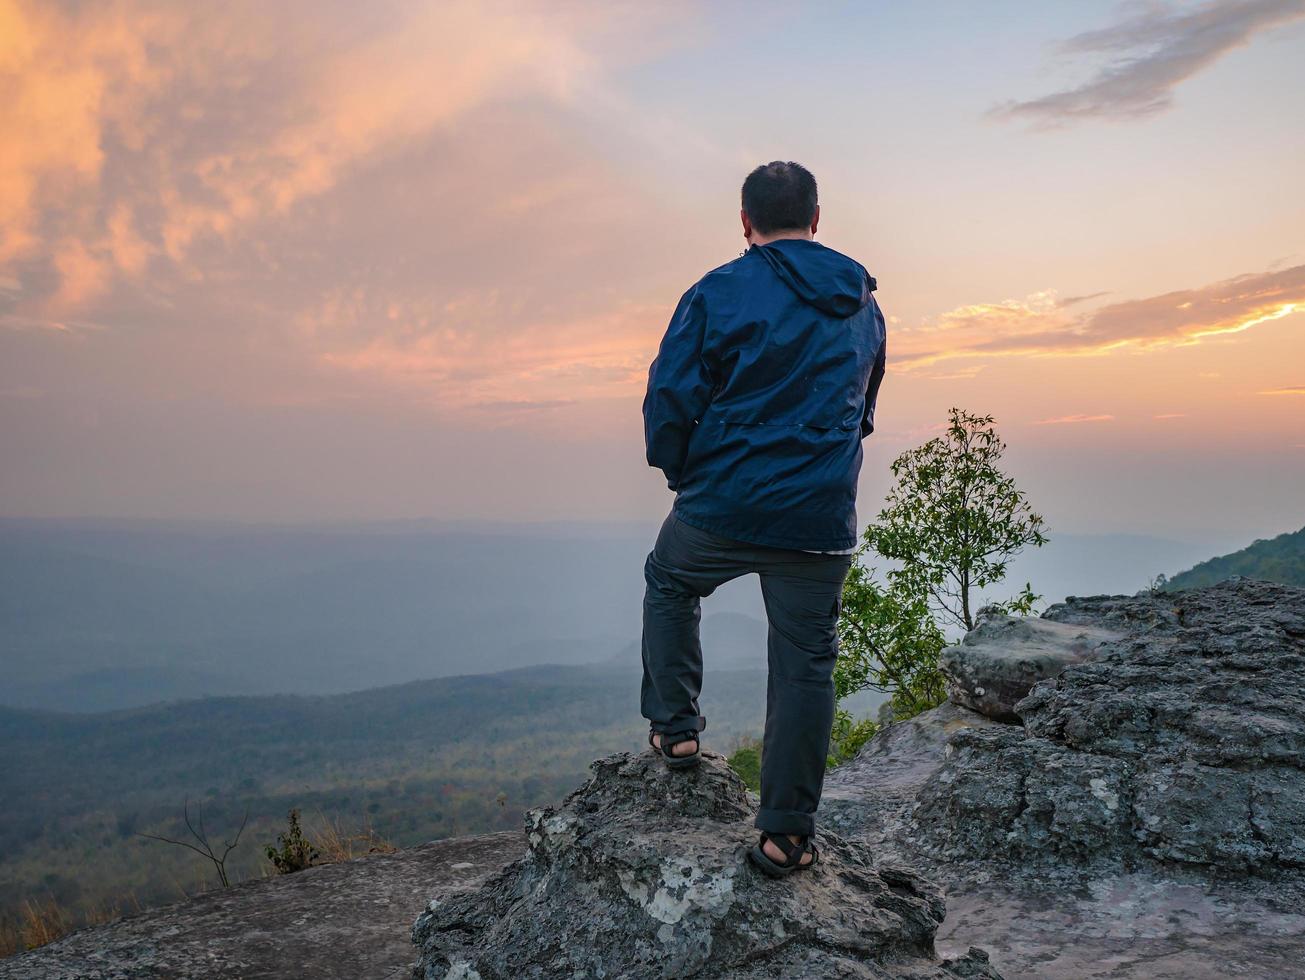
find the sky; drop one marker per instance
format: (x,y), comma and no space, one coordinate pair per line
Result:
(349,262)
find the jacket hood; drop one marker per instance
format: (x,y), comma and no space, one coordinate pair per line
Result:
(828,280)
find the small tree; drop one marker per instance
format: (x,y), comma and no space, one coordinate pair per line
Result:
(951,525)
(954,521)
(888,642)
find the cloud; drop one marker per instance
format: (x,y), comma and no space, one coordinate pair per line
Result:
(1149,55)
(522,405)
(960,374)
(1075,300)
(137,133)
(1074,419)
(337,202)
(1286,390)
(1038,326)
(1170,415)
(447,356)
(19,323)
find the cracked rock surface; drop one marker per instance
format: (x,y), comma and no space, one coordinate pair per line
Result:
(1145,820)
(642,872)
(1183,744)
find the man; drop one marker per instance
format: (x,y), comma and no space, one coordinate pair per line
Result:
(761,392)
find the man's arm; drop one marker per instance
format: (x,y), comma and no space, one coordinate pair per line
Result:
(680,387)
(876,376)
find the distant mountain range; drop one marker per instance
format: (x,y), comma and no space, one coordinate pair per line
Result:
(1280,559)
(416,762)
(102,615)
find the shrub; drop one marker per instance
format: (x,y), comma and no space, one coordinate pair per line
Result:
(296,851)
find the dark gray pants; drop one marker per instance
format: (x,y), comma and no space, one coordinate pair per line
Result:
(803,593)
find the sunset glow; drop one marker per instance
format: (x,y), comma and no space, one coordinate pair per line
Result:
(340,261)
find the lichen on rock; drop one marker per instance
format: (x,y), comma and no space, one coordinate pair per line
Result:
(1147,818)
(1183,744)
(642,872)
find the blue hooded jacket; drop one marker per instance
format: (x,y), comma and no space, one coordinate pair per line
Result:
(761,392)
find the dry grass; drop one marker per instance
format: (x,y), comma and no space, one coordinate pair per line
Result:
(335,843)
(42,922)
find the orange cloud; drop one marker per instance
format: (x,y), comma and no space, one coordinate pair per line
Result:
(1039,326)
(1071,419)
(455,351)
(1286,390)
(134,131)
(439,62)
(72,89)
(448,354)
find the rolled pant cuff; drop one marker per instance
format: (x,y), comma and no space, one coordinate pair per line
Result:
(786,822)
(697,724)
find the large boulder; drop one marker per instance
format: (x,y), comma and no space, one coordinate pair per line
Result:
(1183,744)
(1143,821)
(999,661)
(642,872)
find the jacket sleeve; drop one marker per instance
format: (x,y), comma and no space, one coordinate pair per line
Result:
(680,387)
(876,376)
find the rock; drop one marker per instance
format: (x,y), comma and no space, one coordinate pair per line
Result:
(870,793)
(1042,918)
(1139,925)
(334,922)
(1185,743)
(1143,821)
(999,661)
(1126,838)
(1000,794)
(642,872)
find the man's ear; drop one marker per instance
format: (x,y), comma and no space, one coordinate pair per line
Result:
(747,225)
(815,220)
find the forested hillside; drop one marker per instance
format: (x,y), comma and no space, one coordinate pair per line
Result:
(416,762)
(1280,559)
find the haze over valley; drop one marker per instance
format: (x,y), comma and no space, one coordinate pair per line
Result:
(102,615)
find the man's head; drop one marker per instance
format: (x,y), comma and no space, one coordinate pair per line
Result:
(779,201)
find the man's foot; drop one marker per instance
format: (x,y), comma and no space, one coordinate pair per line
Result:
(679,749)
(772,851)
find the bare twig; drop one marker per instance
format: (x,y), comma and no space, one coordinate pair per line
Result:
(205,849)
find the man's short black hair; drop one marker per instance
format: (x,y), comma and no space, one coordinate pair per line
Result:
(779,196)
